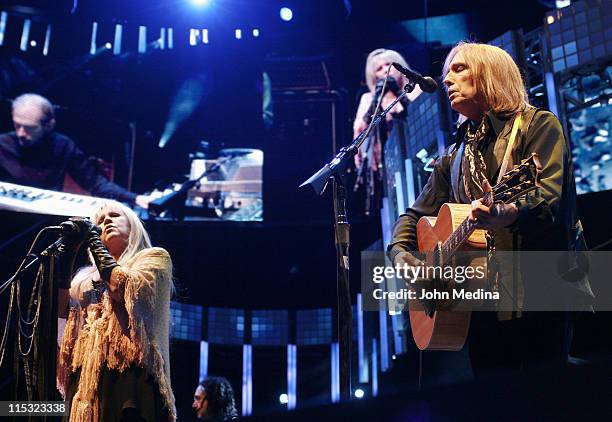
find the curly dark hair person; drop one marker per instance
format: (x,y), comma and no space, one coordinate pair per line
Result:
(220,396)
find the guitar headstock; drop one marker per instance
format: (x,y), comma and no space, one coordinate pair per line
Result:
(518,181)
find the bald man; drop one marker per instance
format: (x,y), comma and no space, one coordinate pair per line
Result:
(35,155)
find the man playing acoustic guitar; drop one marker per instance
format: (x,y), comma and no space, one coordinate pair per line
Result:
(498,129)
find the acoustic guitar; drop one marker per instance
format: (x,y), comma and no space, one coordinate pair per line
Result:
(442,326)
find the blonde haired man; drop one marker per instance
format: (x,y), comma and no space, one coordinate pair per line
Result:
(485,87)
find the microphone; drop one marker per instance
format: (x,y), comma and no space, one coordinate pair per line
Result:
(66,228)
(426,83)
(69,228)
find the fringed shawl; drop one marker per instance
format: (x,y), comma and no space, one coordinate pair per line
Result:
(119,335)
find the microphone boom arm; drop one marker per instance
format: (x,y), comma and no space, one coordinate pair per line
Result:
(426,83)
(319,180)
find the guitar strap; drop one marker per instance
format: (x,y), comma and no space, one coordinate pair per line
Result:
(505,315)
(523,119)
(455,172)
(518,121)
(526,117)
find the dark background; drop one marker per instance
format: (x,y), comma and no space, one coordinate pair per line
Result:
(287,262)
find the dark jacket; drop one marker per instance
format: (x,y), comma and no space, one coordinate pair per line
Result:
(45,164)
(547,217)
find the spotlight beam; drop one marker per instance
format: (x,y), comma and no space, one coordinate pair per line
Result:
(186,100)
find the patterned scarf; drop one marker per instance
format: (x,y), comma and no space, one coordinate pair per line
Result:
(473,166)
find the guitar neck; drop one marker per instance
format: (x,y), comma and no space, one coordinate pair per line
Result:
(457,238)
(522,179)
(463,232)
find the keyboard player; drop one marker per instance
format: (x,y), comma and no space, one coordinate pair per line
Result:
(36,155)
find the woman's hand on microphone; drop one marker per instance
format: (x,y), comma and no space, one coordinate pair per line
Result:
(72,238)
(86,227)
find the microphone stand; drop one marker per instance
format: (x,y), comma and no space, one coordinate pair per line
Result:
(39,369)
(35,259)
(174,202)
(334,171)
(371,110)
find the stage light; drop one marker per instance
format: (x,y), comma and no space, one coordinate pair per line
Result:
(142,39)
(286,14)
(94,35)
(118,38)
(47,40)
(359,393)
(170,38)
(162,38)
(203,359)
(3,19)
(256,32)
(200,3)
(194,34)
(283,398)
(335,372)
(25,35)
(185,101)
(238,34)
(362,359)
(550,20)
(33,43)
(374,367)
(291,395)
(205,36)
(108,46)
(247,379)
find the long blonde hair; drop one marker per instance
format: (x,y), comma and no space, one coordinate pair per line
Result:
(388,55)
(138,238)
(496,76)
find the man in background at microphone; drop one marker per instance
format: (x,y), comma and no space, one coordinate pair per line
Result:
(369,160)
(35,155)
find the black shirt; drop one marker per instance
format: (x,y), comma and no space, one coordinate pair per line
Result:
(45,164)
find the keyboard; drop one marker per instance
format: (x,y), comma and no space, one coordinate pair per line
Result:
(41,201)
